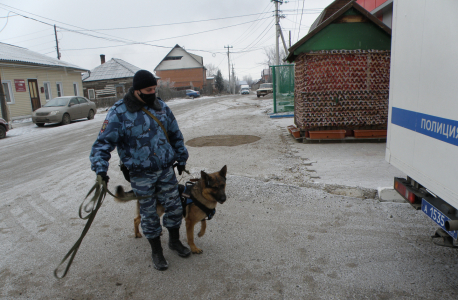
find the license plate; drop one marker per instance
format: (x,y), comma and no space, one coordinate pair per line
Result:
(437,216)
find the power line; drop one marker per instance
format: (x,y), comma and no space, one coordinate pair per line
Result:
(122,41)
(179,23)
(303,3)
(248,29)
(203,31)
(15,37)
(7,19)
(36,38)
(260,25)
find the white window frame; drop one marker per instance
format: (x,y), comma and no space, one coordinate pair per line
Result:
(10,91)
(75,84)
(89,94)
(47,83)
(59,83)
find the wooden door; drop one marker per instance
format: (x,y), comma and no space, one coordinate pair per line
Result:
(119,92)
(34,95)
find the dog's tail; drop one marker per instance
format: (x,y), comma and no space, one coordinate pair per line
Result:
(122,196)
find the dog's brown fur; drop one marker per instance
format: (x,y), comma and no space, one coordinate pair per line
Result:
(208,190)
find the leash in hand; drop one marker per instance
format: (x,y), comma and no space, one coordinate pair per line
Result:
(100,191)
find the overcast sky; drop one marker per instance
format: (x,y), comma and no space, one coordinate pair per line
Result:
(88,28)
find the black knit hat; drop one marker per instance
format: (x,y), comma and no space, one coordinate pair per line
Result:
(144,79)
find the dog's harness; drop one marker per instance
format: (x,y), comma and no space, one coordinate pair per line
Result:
(188,199)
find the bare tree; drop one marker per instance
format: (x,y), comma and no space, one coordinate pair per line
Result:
(270,56)
(211,70)
(248,79)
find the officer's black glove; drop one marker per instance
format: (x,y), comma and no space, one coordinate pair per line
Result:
(104,176)
(181,169)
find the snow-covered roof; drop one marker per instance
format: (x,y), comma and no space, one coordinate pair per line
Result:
(112,69)
(186,60)
(15,54)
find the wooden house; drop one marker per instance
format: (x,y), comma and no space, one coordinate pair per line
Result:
(109,81)
(29,79)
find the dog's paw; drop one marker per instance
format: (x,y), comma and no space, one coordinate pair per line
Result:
(138,235)
(196,250)
(201,234)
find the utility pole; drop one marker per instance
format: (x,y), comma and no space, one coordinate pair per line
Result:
(57,42)
(229,66)
(277,32)
(233,77)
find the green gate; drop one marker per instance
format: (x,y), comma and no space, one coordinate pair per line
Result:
(283,88)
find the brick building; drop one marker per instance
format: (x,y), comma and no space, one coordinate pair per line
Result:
(182,70)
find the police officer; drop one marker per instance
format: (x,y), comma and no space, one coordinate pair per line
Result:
(149,154)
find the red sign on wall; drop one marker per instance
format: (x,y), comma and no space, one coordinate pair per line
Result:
(20,85)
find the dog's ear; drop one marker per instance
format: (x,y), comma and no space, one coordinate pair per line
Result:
(223,171)
(205,178)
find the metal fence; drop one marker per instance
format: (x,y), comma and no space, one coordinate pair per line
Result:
(283,88)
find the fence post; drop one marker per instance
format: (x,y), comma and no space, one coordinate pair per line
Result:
(274,80)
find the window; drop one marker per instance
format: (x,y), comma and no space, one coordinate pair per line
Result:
(47,86)
(75,88)
(74,101)
(91,94)
(8,91)
(60,90)
(82,100)
(173,58)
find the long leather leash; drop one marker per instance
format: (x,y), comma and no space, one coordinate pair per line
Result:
(100,190)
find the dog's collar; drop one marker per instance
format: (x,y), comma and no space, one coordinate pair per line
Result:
(209,212)
(190,199)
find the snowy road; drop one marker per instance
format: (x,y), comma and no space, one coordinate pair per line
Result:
(278,236)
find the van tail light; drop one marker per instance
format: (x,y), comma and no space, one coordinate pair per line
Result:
(404,189)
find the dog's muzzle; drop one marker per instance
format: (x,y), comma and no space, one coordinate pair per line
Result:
(221,200)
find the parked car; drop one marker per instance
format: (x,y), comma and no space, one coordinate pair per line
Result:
(192,93)
(264,89)
(64,110)
(4,127)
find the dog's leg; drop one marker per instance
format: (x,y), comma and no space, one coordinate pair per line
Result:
(203,227)
(137,221)
(190,235)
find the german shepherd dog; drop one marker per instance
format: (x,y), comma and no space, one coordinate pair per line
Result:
(208,190)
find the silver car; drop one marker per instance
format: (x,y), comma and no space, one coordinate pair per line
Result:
(63,110)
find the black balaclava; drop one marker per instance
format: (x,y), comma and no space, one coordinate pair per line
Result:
(144,79)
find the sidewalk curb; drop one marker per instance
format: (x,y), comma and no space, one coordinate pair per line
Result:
(389,194)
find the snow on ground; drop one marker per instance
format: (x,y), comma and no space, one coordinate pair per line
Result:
(186,100)
(25,126)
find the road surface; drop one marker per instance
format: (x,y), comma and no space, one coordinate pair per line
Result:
(278,236)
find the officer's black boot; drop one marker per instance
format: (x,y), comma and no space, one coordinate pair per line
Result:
(175,244)
(158,258)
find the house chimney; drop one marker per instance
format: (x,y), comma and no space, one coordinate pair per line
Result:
(102,59)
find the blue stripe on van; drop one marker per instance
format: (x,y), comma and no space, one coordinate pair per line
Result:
(445,130)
